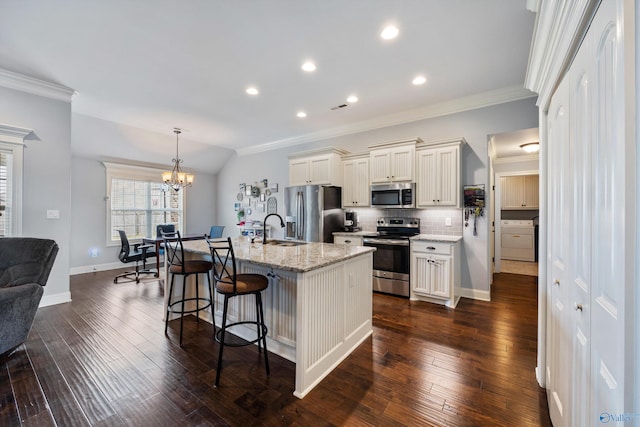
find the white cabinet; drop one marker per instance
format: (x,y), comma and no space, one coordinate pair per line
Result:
(435,272)
(318,167)
(520,192)
(438,170)
(356,185)
(347,240)
(393,162)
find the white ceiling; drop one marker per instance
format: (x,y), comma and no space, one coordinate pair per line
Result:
(508,144)
(159,64)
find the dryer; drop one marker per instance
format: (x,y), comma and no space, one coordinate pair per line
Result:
(517,240)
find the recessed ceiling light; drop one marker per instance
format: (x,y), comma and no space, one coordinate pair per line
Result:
(352,99)
(418,80)
(309,66)
(252,90)
(301,114)
(390,32)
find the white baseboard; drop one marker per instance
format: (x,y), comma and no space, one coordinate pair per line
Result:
(98,267)
(61,298)
(475,294)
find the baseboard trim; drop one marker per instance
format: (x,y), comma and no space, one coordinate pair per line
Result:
(475,294)
(55,299)
(93,268)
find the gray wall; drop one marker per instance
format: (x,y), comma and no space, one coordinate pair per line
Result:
(88,190)
(475,126)
(47,175)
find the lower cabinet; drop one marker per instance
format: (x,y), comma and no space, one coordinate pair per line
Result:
(435,272)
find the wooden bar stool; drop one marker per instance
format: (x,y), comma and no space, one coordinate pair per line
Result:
(178,265)
(230,284)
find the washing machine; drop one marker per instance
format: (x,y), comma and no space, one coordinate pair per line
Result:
(517,240)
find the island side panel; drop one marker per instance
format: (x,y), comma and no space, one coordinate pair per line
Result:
(334,312)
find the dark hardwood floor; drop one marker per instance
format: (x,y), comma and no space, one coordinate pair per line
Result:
(104,360)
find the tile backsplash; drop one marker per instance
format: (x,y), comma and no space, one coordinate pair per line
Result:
(432,221)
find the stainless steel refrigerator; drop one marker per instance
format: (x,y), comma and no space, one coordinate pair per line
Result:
(313,212)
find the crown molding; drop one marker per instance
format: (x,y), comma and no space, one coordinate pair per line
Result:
(34,86)
(13,134)
(557,34)
(517,159)
(480,100)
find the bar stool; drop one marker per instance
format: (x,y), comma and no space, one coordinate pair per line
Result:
(230,284)
(179,266)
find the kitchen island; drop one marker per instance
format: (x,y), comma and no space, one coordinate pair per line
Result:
(318,306)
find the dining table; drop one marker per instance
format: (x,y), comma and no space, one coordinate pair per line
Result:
(157,241)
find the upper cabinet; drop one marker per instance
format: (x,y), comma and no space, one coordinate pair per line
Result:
(438,173)
(317,167)
(355,191)
(393,162)
(519,192)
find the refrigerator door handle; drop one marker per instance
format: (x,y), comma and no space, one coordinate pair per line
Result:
(301,218)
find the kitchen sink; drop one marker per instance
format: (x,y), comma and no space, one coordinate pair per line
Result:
(285,243)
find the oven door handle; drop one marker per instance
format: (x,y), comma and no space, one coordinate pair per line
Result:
(388,242)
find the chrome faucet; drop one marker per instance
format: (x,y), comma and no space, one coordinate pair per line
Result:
(264,226)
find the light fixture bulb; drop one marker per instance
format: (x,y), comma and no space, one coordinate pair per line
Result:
(252,90)
(352,99)
(531,147)
(309,66)
(419,80)
(301,114)
(390,32)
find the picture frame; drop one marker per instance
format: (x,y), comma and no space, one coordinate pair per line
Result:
(242,187)
(263,197)
(273,188)
(247,190)
(236,206)
(260,207)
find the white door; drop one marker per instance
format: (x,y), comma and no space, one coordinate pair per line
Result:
(361,185)
(608,277)
(580,123)
(559,355)
(448,188)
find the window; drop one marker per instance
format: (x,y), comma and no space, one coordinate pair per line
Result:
(11,160)
(138,201)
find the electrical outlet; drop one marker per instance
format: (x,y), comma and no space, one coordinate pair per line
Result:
(447,222)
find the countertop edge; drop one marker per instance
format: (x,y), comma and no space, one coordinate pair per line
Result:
(437,238)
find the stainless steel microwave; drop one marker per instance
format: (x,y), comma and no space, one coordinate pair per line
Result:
(398,195)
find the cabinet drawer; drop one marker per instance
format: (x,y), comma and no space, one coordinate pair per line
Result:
(432,247)
(348,240)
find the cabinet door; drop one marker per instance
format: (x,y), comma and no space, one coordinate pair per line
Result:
(531,192)
(421,273)
(401,163)
(299,172)
(440,276)
(349,169)
(379,160)
(448,191)
(512,192)
(320,170)
(361,186)
(427,178)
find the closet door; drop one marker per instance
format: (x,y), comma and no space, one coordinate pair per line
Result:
(559,352)
(580,310)
(609,253)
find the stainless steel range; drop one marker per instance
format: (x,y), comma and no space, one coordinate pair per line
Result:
(392,256)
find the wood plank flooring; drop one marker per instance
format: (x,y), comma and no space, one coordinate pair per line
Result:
(103,360)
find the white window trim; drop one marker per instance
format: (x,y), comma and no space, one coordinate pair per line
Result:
(12,140)
(118,170)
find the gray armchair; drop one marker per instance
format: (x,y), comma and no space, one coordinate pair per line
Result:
(25,264)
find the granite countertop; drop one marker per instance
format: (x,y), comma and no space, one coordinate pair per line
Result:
(299,259)
(437,238)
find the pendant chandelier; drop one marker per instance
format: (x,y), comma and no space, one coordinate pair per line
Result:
(176,178)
